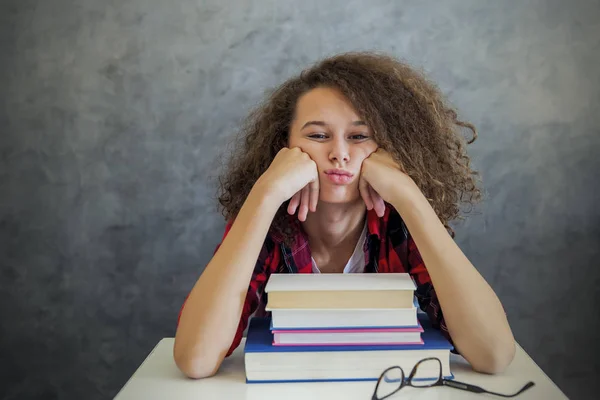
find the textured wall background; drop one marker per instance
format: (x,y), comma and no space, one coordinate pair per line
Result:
(113,114)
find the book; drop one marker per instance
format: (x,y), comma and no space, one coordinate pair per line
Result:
(350,318)
(266,363)
(317,291)
(352,336)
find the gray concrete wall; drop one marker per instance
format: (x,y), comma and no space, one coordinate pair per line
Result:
(113,113)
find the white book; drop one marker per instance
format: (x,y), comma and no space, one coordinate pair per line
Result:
(339,282)
(315,291)
(343,318)
(319,337)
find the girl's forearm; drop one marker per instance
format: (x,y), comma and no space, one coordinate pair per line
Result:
(211,314)
(473,313)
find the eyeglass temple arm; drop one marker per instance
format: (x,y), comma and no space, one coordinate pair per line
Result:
(524,388)
(463,386)
(477,389)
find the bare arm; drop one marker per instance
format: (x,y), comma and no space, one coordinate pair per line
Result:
(473,313)
(212,311)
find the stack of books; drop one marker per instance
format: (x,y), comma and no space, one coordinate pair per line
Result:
(340,327)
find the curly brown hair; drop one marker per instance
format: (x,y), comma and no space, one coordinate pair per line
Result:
(407,113)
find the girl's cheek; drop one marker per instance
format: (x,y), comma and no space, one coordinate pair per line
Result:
(366,151)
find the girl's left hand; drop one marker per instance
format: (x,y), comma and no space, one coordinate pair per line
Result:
(382,179)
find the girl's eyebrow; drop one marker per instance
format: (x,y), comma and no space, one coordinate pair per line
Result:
(317,123)
(323,123)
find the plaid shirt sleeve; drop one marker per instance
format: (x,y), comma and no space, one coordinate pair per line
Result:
(425,293)
(255,287)
(262,270)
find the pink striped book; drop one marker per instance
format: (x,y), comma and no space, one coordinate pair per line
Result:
(348,337)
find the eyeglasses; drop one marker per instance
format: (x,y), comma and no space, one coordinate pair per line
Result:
(393,379)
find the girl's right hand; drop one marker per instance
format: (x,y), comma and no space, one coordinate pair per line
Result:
(293,174)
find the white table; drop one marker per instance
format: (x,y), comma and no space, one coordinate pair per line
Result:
(159,378)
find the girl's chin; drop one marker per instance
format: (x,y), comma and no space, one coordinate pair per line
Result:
(339,198)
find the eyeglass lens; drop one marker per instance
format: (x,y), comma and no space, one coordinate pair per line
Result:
(426,373)
(391,381)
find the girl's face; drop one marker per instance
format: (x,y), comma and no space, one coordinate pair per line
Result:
(328,129)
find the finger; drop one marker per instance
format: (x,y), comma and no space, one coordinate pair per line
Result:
(304,204)
(313,188)
(294,202)
(378,203)
(363,188)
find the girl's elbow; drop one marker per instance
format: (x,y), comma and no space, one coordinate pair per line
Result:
(196,366)
(497,360)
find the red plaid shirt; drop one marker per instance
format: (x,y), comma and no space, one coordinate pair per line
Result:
(388,248)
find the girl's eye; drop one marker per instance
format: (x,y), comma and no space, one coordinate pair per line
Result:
(358,136)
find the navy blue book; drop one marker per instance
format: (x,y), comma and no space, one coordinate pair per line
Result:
(267,363)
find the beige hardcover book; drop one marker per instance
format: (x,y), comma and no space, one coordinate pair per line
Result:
(393,290)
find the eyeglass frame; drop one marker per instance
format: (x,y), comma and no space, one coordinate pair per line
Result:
(441,381)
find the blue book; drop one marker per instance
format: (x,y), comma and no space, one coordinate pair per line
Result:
(267,363)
